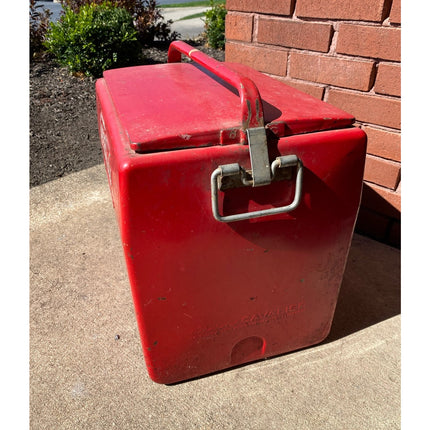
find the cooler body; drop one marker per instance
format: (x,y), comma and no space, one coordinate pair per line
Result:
(213,294)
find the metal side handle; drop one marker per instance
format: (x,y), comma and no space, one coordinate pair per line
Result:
(234,169)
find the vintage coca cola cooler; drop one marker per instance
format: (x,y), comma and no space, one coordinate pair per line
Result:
(236,198)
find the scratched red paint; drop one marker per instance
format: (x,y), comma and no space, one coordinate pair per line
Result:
(210,295)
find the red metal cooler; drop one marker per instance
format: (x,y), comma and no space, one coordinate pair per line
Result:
(236,198)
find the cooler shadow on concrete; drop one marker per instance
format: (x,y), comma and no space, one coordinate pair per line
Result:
(370,291)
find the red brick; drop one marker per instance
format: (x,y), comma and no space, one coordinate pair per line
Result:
(314,90)
(284,7)
(363,10)
(392,197)
(355,74)
(382,200)
(388,79)
(238,26)
(395,14)
(268,60)
(382,172)
(294,34)
(367,108)
(383,143)
(367,41)
(372,224)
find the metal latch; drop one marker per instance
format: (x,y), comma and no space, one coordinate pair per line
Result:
(260,167)
(262,173)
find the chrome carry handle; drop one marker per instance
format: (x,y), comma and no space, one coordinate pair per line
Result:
(235,169)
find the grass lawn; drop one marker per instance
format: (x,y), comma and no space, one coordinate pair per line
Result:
(196,15)
(191,4)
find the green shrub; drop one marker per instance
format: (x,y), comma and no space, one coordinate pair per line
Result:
(39,24)
(147,17)
(215,25)
(95,38)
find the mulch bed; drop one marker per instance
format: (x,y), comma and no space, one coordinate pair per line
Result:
(63,119)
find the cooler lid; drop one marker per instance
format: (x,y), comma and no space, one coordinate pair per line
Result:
(180,105)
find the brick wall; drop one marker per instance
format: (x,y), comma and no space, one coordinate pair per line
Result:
(347,53)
